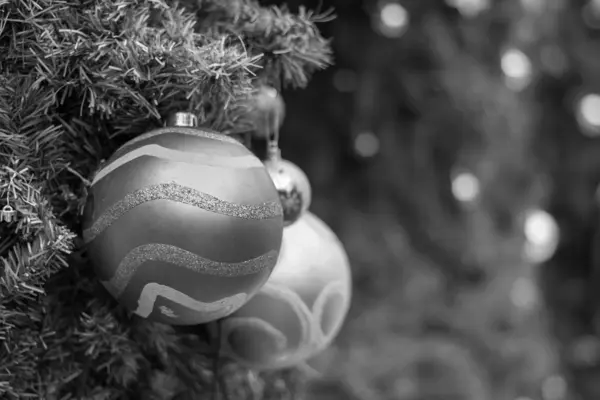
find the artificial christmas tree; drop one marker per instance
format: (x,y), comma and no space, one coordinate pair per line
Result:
(420,148)
(79,79)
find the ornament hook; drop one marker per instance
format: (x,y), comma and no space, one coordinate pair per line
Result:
(272,121)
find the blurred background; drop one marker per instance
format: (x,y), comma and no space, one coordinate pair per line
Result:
(455,149)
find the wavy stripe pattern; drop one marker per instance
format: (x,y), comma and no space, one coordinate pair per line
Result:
(154,150)
(312,339)
(184,259)
(196,132)
(217,309)
(180,194)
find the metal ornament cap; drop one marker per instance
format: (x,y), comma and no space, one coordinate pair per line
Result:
(183,119)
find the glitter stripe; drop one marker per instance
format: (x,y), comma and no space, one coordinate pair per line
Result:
(196,132)
(184,259)
(181,194)
(214,310)
(154,150)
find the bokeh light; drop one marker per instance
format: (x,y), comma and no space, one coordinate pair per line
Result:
(524,293)
(391,20)
(345,80)
(517,69)
(554,388)
(366,144)
(553,59)
(591,14)
(469,8)
(536,6)
(465,187)
(588,114)
(541,235)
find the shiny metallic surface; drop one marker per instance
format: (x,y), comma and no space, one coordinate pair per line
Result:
(293,187)
(183,119)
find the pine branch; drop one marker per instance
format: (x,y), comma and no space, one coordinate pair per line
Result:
(77,78)
(292,45)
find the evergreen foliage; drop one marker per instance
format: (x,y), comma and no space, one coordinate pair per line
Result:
(78,79)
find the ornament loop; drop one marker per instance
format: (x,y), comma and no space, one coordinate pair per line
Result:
(8,214)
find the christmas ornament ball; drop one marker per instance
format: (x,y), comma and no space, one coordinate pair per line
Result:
(183,225)
(302,306)
(293,186)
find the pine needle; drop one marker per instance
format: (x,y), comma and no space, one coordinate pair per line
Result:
(77,79)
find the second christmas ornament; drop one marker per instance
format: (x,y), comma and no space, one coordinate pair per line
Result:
(301,308)
(292,184)
(183,225)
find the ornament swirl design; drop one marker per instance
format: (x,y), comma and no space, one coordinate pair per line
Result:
(214,310)
(184,259)
(181,194)
(177,156)
(326,332)
(313,338)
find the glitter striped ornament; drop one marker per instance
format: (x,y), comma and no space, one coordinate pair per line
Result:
(183,225)
(301,308)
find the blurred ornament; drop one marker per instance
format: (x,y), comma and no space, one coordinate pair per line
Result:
(465,187)
(541,236)
(345,80)
(366,144)
(391,19)
(469,8)
(517,69)
(291,182)
(267,111)
(182,224)
(591,14)
(301,308)
(587,112)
